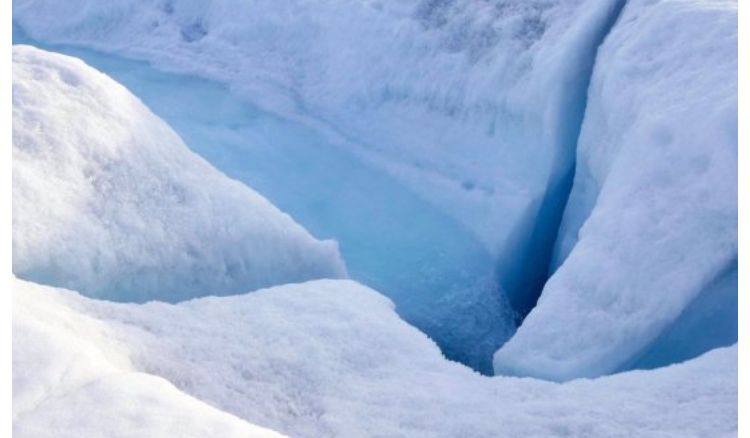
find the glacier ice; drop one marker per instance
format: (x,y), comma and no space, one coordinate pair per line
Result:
(108,200)
(344,365)
(651,227)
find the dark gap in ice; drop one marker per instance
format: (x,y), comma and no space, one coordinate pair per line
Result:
(527,267)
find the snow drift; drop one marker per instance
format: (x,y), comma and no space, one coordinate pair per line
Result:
(344,365)
(108,200)
(70,380)
(650,230)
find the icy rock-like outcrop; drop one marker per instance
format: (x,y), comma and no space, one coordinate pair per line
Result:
(108,200)
(327,358)
(650,230)
(473,105)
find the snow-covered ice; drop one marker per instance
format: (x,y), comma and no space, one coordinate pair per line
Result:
(344,365)
(651,226)
(108,200)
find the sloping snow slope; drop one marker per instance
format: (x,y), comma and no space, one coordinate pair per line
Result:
(473,105)
(108,200)
(320,359)
(651,226)
(70,380)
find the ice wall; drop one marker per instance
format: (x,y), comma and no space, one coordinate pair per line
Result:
(107,199)
(647,251)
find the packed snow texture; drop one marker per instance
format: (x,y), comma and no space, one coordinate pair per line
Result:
(108,200)
(319,359)
(647,251)
(70,380)
(475,106)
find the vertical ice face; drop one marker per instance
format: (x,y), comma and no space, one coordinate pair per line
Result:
(108,200)
(647,251)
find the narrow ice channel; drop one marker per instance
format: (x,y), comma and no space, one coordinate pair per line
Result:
(440,277)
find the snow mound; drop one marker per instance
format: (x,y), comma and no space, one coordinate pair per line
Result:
(647,251)
(326,358)
(109,201)
(69,380)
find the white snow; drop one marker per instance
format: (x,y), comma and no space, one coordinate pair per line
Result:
(319,359)
(651,224)
(108,200)
(71,380)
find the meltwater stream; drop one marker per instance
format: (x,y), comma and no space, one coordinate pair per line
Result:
(441,279)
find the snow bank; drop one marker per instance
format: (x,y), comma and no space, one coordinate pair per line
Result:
(69,380)
(475,106)
(650,231)
(319,359)
(108,200)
